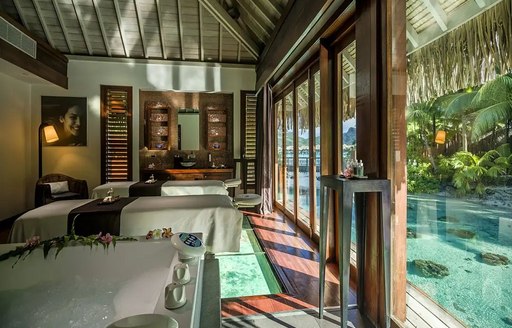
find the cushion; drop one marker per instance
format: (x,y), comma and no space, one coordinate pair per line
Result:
(66,195)
(58,187)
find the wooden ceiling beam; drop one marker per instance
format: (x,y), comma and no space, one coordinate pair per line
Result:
(438,13)
(411,34)
(121,27)
(62,25)
(220,43)
(272,6)
(140,24)
(161,28)
(102,27)
(180,29)
(79,16)
(481,3)
(257,10)
(201,44)
(458,16)
(43,23)
(231,26)
(254,24)
(21,13)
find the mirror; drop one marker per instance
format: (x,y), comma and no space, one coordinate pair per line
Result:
(188,131)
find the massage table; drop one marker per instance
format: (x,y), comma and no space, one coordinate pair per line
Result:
(213,215)
(168,188)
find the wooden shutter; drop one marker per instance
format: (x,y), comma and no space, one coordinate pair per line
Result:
(116,133)
(249,139)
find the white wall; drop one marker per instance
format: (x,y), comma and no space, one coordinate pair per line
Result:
(15,147)
(85,77)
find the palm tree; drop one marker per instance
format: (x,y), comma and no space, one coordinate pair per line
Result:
(422,116)
(494,104)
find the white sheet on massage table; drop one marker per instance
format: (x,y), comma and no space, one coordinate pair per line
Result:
(169,188)
(213,215)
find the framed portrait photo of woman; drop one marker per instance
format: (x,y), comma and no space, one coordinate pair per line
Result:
(69,117)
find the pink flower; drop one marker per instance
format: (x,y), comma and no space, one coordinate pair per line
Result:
(33,242)
(106,239)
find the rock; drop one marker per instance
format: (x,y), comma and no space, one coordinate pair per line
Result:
(507,320)
(431,269)
(458,307)
(494,259)
(462,233)
(411,233)
(447,219)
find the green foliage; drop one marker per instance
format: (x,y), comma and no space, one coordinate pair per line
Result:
(472,173)
(420,179)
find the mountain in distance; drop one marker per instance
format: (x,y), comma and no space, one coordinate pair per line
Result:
(349,137)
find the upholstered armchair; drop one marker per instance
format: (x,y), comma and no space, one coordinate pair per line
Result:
(53,187)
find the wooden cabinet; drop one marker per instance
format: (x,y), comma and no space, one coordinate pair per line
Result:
(188,174)
(157,126)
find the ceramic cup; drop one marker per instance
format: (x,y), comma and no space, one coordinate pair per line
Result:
(181,273)
(175,296)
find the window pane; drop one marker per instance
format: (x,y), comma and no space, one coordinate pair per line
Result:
(316,167)
(289,147)
(279,181)
(303,151)
(347,102)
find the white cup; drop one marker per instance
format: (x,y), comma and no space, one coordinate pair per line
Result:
(175,296)
(181,273)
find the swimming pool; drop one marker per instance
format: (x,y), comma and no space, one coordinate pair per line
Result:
(454,233)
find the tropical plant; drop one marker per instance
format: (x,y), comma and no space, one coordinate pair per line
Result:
(472,173)
(494,104)
(420,178)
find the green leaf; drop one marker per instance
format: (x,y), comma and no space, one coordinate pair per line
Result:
(47,245)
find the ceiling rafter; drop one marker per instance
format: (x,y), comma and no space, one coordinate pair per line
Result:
(238,52)
(201,32)
(276,11)
(140,23)
(257,6)
(180,29)
(62,25)
(411,34)
(220,43)
(43,23)
(231,26)
(121,27)
(20,13)
(262,34)
(102,27)
(438,13)
(458,16)
(79,16)
(161,27)
(481,3)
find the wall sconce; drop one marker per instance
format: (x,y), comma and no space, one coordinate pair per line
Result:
(440,137)
(49,135)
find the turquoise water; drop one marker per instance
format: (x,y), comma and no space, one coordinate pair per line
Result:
(478,294)
(247,272)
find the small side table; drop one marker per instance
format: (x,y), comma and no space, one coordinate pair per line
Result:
(345,189)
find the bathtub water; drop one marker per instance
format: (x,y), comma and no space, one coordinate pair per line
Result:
(86,287)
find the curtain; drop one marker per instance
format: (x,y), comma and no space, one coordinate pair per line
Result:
(264,140)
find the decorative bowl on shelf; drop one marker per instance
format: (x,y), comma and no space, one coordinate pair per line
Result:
(188,164)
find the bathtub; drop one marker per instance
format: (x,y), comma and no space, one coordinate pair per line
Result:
(84,287)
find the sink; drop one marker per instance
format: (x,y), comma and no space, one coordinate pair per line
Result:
(188,164)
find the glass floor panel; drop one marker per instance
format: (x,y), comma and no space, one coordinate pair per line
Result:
(248,272)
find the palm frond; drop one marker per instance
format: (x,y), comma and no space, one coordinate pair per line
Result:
(456,104)
(487,118)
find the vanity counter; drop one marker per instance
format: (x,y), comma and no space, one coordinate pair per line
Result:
(188,174)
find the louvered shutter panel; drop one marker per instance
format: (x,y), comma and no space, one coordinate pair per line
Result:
(249,129)
(116,134)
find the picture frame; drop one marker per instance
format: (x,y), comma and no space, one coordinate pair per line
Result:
(68,115)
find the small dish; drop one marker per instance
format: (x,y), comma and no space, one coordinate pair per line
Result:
(188,164)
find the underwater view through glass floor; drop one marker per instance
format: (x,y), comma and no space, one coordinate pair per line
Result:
(458,253)
(248,272)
